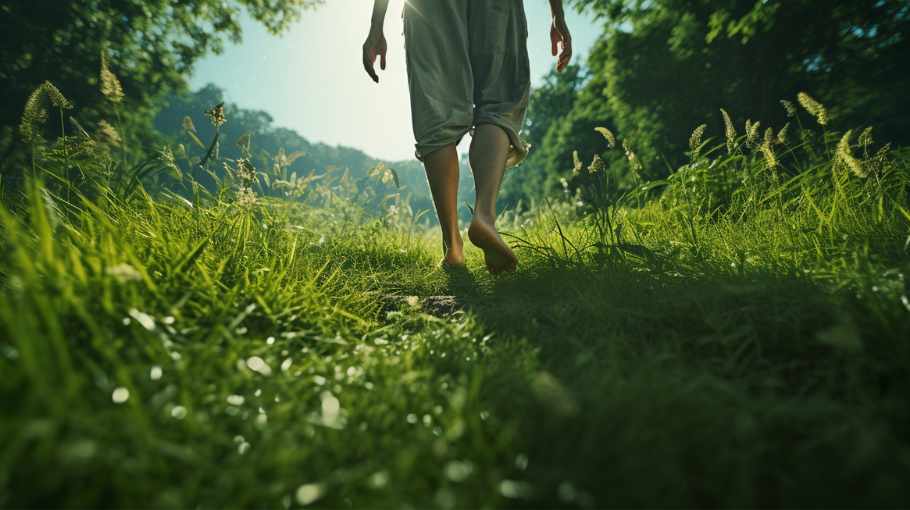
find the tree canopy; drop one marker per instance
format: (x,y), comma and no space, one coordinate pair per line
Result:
(663,67)
(151,45)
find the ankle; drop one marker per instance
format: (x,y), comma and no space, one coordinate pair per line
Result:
(454,243)
(484,217)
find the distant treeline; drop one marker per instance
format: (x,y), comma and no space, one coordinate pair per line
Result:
(659,69)
(266,142)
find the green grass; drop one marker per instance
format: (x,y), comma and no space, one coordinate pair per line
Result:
(160,354)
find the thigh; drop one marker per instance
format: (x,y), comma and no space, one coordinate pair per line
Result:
(499,52)
(498,32)
(439,71)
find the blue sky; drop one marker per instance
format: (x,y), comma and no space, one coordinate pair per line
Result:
(310,78)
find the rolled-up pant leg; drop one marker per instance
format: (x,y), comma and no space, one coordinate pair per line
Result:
(467,65)
(439,72)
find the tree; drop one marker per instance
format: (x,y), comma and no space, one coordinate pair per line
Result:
(151,45)
(267,143)
(665,66)
(546,110)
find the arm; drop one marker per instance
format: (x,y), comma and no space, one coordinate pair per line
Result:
(375,44)
(560,38)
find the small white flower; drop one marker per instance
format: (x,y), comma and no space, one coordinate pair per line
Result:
(120,395)
(258,365)
(144,319)
(124,273)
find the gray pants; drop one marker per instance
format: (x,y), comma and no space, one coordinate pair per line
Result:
(467,65)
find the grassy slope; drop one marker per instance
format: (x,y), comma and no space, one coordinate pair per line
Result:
(761,364)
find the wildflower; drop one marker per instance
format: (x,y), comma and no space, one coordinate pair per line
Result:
(245,170)
(245,197)
(216,115)
(611,140)
(111,87)
(814,108)
(729,131)
(696,138)
(384,174)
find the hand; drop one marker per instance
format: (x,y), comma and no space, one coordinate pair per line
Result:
(374,46)
(561,41)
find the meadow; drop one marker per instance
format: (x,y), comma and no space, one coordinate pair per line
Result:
(733,335)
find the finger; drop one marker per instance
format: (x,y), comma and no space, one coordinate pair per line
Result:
(368,67)
(566,56)
(554,43)
(382,60)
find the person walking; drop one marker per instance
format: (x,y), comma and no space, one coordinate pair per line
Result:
(468,71)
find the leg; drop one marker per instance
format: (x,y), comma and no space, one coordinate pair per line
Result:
(489,149)
(442,173)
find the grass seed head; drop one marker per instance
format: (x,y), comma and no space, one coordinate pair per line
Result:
(634,162)
(108,134)
(577,165)
(188,124)
(752,131)
(729,131)
(782,135)
(608,135)
(845,155)
(111,87)
(34,115)
(865,138)
(814,108)
(768,152)
(166,156)
(56,97)
(695,139)
(789,107)
(597,164)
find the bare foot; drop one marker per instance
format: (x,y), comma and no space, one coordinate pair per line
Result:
(454,257)
(496,252)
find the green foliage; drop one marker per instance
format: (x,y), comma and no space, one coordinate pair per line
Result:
(151,46)
(278,352)
(286,164)
(662,67)
(216,326)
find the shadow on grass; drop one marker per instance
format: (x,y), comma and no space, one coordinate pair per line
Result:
(662,389)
